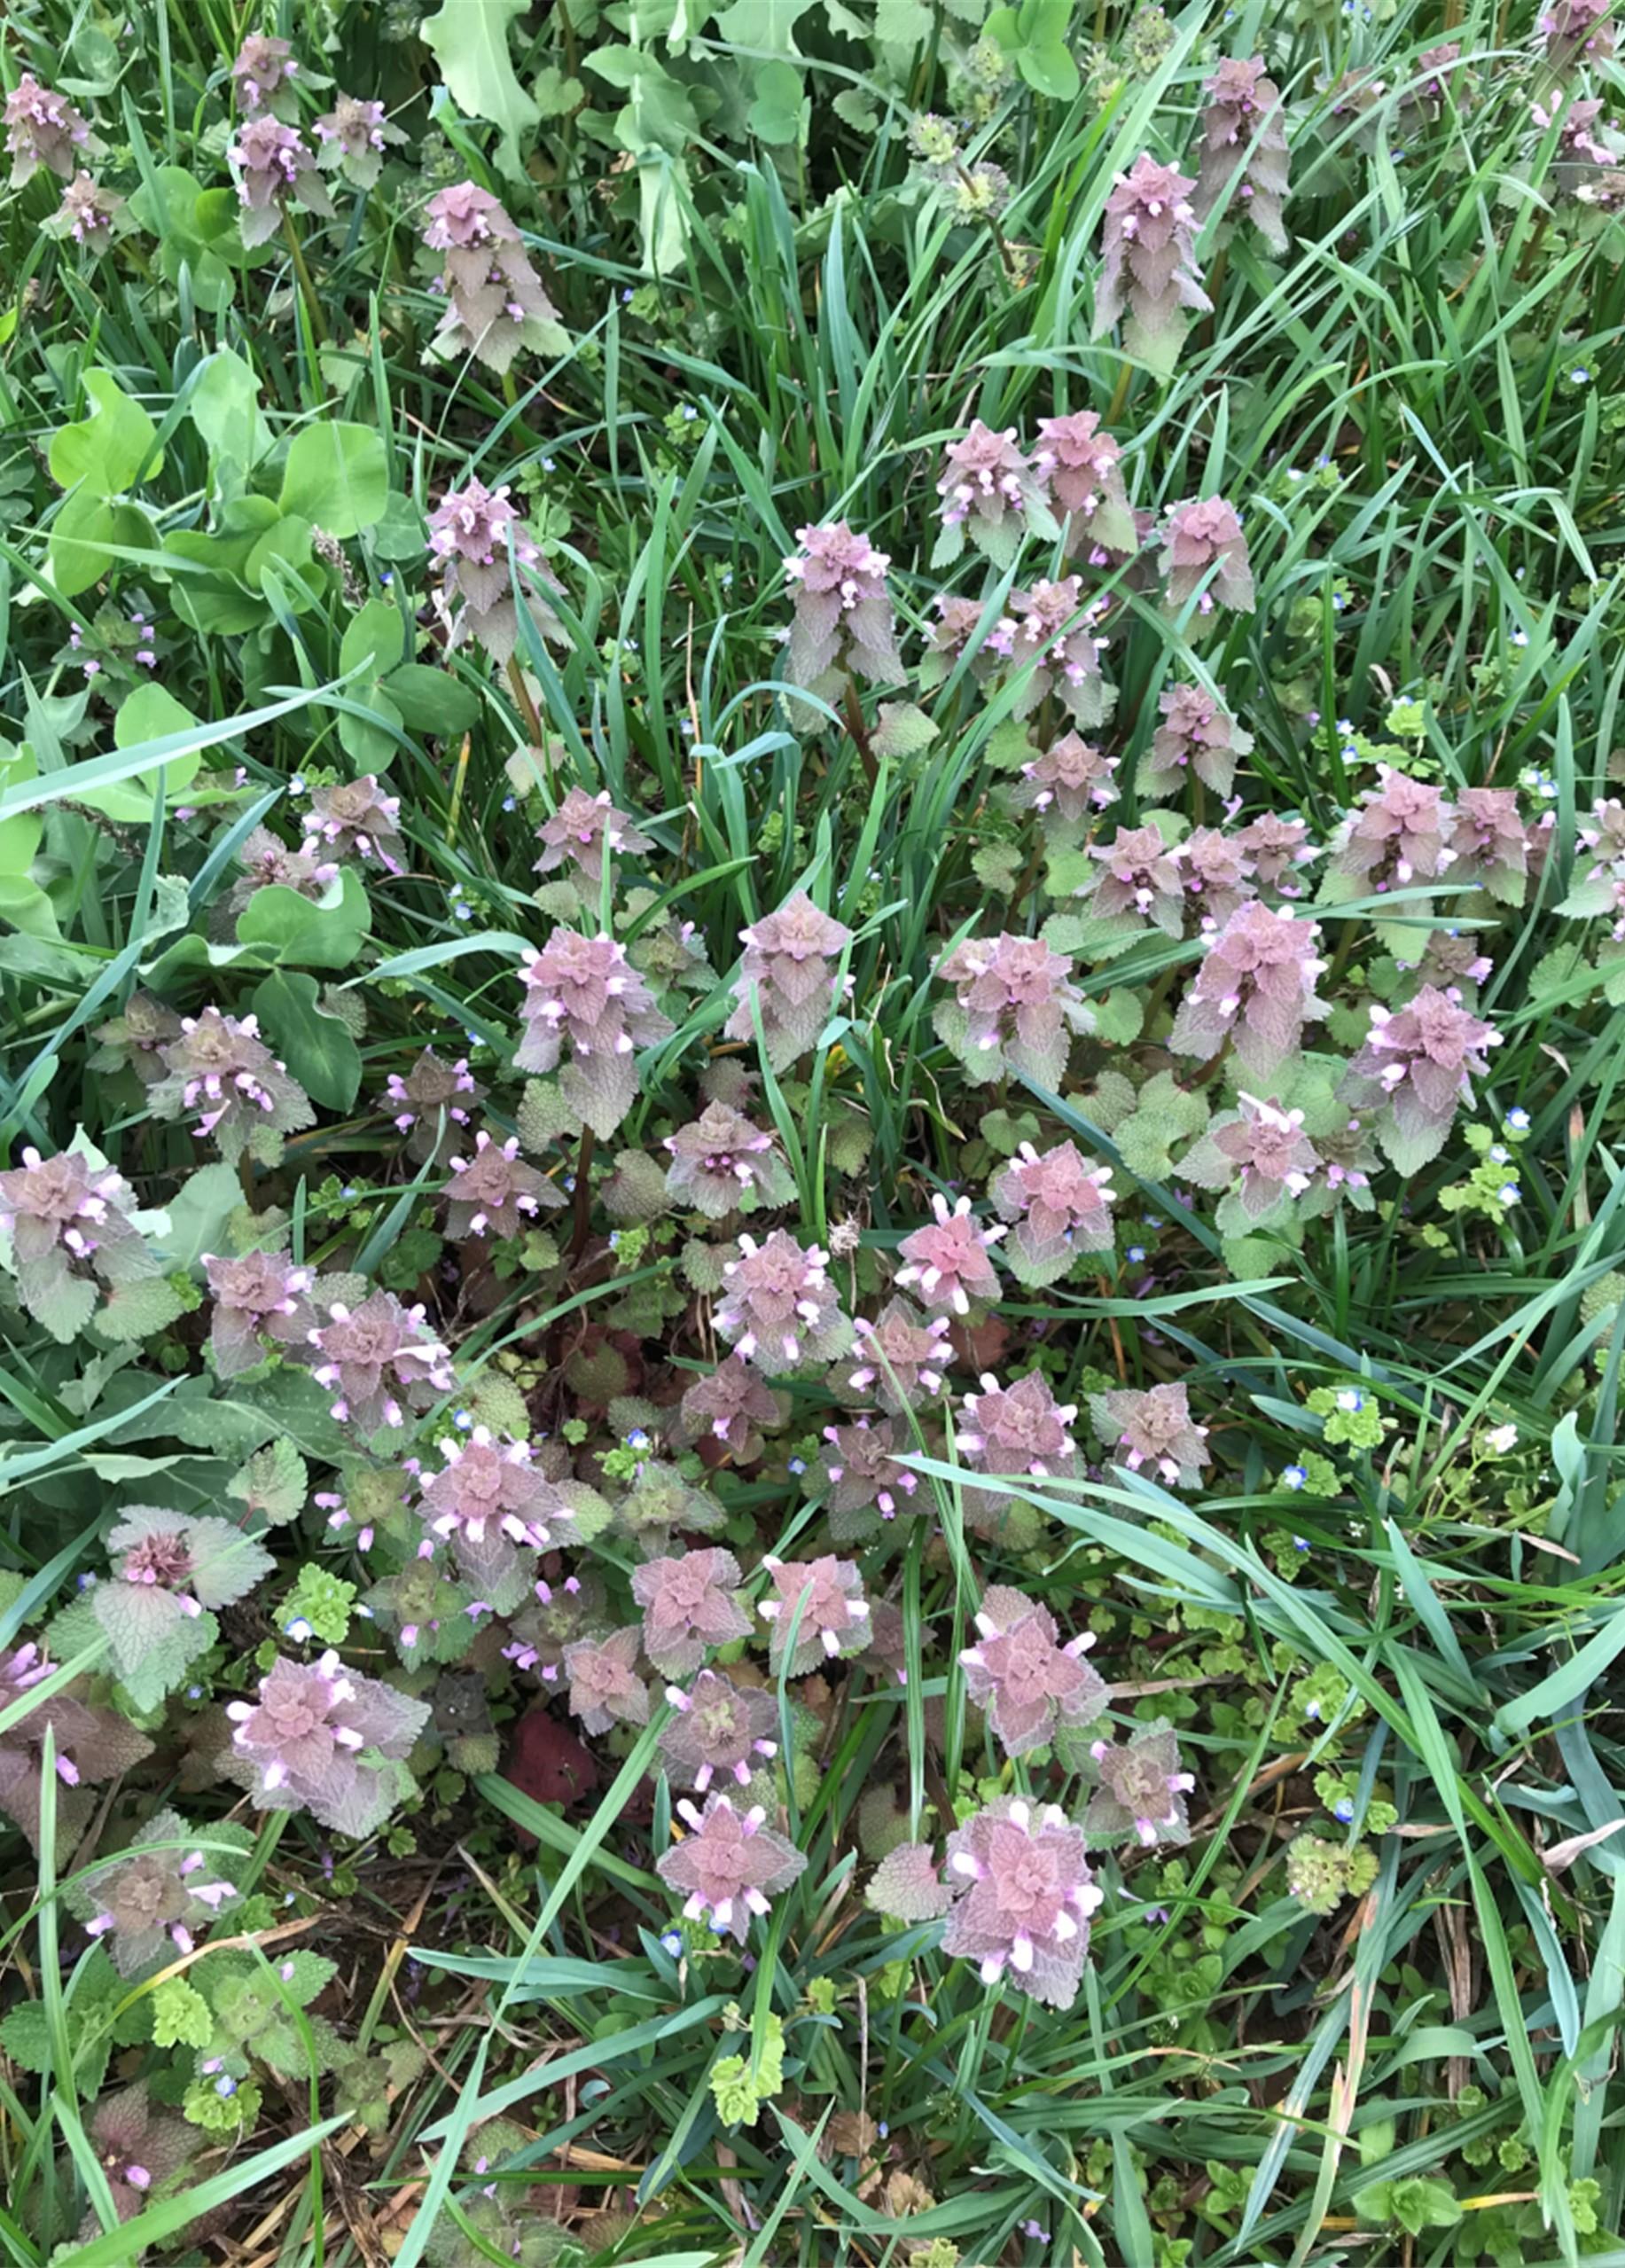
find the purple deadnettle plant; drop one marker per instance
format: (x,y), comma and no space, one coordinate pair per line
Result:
(689,1603)
(1197,735)
(1254,989)
(1153,1427)
(950,1257)
(356,818)
(779,1308)
(1084,469)
(730,1863)
(262,1307)
(722,1160)
(1142,1791)
(325,1740)
(901,1357)
(67,1239)
(818,1614)
(790,976)
(263,76)
(1014,1009)
(1204,557)
(1023,1896)
(991,491)
(496,305)
(379,1360)
(1067,786)
(583,994)
(718,1727)
(1030,1682)
(220,1071)
(1418,1066)
(1244,155)
(274,168)
(162,1893)
(842,626)
(493,1192)
(469,533)
(43,130)
(581,831)
(605,1687)
(1060,1206)
(355,137)
(1148,264)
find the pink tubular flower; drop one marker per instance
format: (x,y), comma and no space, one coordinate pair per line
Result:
(1084,467)
(779,1309)
(734,1405)
(948,1257)
(989,490)
(1018,1431)
(1205,550)
(1218,877)
(1574,28)
(1148,264)
(1256,987)
(1047,637)
(1142,1790)
(863,1478)
(1244,130)
(719,1726)
(1275,847)
(1028,1681)
(1491,842)
(147,1902)
(1198,734)
(1066,784)
(842,623)
(1061,1208)
(496,306)
(822,1602)
(584,993)
(1155,1427)
(579,833)
(219,1068)
(485,1490)
(730,1863)
(301,1745)
(355,136)
(42,128)
(722,1157)
(262,1303)
(901,1358)
(1023,1897)
(71,1239)
(1419,1062)
(379,1360)
(1014,1009)
(791,971)
(263,76)
(470,532)
(688,1603)
(356,819)
(1139,880)
(273,169)
(494,1192)
(605,1687)
(136,2146)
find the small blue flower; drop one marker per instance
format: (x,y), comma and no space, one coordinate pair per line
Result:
(1581,377)
(798,1465)
(1520,638)
(225,2086)
(298,1630)
(1300,1542)
(548,464)
(1294,1477)
(1350,1399)
(688,413)
(87,1581)
(461,1420)
(194,1693)
(510,803)
(637,1439)
(1343,1809)
(1509,1193)
(671,1942)
(1134,1254)
(296,785)
(1518,1121)
(1498,1153)
(386,578)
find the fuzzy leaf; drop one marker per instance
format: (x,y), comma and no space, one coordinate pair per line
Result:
(907,1885)
(274,1482)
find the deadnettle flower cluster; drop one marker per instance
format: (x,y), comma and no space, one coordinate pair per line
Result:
(1198,734)
(168,1568)
(86,215)
(1491,842)
(1023,1896)
(730,1863)
(721,1157)
(71,1240)
(1204,552)
(92,1746)
(1399,835)
(469,533)
(1142,1791)
(791,972)
(156,1897)
(817,1612)
(496,306)
(901,1357)
(719,1727)
(354,137)
(219,1070)
(263,76)
(267,863)
(1018,1670)
(1139,880)
(325,1740)
(379,1360)
(1014,1009)
(843,624)
(488,1493)
(583,994)
(1154,1428)
(1574,29)
(1418,1062)
(261,1305)
(273,168)
(1060,1206)
(356,818)
(138,2148)
(1047,637)
(950,1258)
(1017,1432)
(779,1309)
(1217,876)
(1148,267)
(494,1192)
(42,128)
(1255,988)
(579,833)
(866,1483)
(734,1405)
(415,1103)
(1244,130)
(1260,1149)
(605,1687)
(1066,784)
(689,1603)
(989,490)
(1275,847)
(1083,468)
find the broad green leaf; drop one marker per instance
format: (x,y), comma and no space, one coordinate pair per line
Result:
(317,1048)
(469,40)
(306,932)
(224,406)
(337,477)
(108,449)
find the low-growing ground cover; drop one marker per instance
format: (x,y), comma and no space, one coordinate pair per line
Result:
(813,866)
